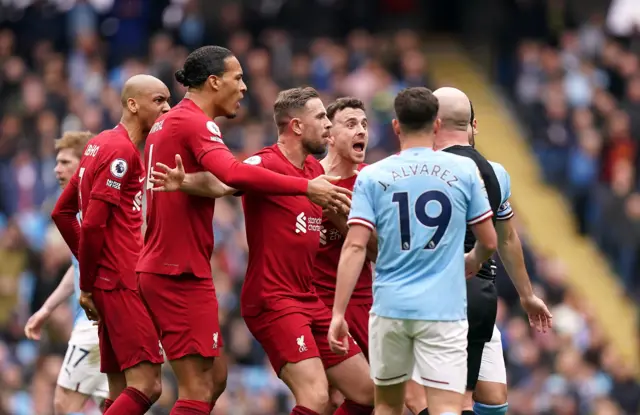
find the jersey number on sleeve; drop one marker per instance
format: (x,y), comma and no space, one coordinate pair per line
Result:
(440,222)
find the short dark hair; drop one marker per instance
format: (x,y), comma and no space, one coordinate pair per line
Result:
(291,100)
(473,113)
(342,104)
(416,108)
(201,64)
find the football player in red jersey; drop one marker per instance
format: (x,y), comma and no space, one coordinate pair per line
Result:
(174,267)
(107,191)
(278,300)
(347,146)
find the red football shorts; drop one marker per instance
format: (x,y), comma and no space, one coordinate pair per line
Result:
(126,332)
(357,317)
(295,334)
(184,310)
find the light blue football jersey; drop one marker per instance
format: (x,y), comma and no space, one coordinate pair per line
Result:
(420,203)
(504,211)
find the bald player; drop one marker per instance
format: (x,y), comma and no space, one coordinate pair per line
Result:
(486,375)
(106,193)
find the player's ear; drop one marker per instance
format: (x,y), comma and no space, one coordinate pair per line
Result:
(214,82)
(396,127)
(132,106)
(296,126)
(436,125)
(475,127)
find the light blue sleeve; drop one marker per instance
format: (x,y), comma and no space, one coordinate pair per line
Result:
(362,202)
(479,207)
(505,211)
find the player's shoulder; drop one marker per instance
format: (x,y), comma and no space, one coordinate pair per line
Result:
(458,161)
(263,156)
(498,169)
(108,142)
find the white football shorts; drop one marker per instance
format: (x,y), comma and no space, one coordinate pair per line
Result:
(80,370)
(492,368)
(434,353)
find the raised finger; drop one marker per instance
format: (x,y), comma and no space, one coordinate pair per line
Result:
(158,175)
(163,166)
(179,162)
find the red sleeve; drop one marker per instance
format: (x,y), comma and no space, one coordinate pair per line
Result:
(94,223)
(65,215)
(245,177)
(205,137)
(114,169)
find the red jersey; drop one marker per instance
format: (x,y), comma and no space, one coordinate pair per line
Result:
(179,237)
(283,234)
(326,263)
(111,171)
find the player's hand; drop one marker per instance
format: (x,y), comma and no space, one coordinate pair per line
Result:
(338,336)
(540,317)
(321,192)
(471,264)
(33,328)
(167,179)
(86,302)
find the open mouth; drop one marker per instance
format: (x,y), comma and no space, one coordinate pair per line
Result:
(358,147)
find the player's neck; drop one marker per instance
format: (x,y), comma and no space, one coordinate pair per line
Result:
(334,165)
(292,150)
(206,105)
(417,140)
(136,135)
(450,139)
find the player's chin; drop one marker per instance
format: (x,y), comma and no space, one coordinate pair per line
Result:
(231,115)
(357,157)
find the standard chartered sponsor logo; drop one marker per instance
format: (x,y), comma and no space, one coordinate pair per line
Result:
(305,224)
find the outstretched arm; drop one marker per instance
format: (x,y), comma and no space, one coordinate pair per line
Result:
(64,290)
(202,183)
(510,250)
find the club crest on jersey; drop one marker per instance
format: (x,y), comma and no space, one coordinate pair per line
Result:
(253,160)
(215,131)
(119,168)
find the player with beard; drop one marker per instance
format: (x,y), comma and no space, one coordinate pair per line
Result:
(174,266)
(106,192)
(80,377)
(345,158)
(278,301)
(486,378)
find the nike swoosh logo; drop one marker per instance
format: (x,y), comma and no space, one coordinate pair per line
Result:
(142,179)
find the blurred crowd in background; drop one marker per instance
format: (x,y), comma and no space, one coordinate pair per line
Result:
(580,97)
(62,65)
